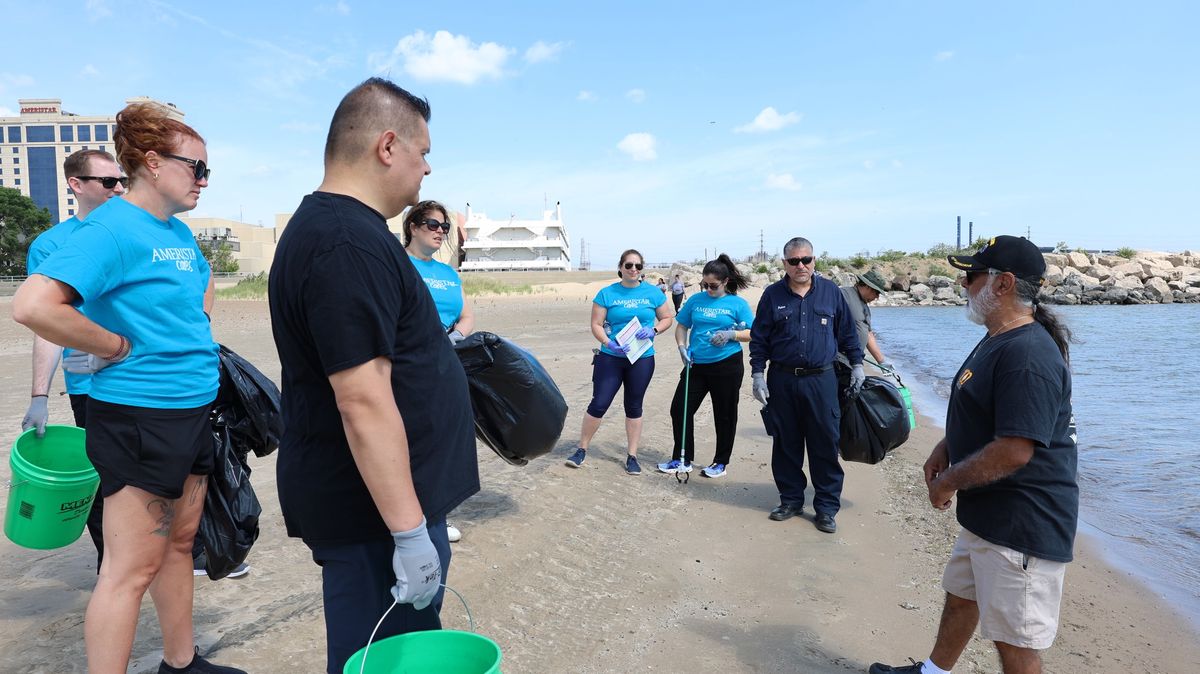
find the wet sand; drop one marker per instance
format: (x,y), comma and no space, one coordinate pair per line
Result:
(592,570)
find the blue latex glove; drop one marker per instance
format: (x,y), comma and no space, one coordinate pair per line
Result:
(645,333)
(722,337)
(759,387)
(81,362)
(857,377)
(686,355)
(617,348)
(37,416)
(417,566)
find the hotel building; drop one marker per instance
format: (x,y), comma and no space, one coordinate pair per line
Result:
(34,144)
(517,245)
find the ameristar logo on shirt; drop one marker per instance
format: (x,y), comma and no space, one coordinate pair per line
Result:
(182,257)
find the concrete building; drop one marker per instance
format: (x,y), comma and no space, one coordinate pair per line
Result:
(510,245)
(34,144)
(253,247)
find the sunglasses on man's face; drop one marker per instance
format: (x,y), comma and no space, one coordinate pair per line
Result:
(797,261)
(108,182)
(972,275)
(199,169)
(434,225)
(634,265)
(709,286)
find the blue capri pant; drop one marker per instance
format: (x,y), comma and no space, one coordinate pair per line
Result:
(609,373)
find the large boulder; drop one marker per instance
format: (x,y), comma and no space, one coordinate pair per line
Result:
(1156,288)
(1129,268)
(901,282)
(1128,282)
(1056,259)
(936,281)
(920,292)
(1115,295)
(1054,274)
(1167,272)
(1080,279)
(945,294)
(1078,260)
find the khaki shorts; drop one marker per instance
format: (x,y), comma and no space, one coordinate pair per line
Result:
(1018,594)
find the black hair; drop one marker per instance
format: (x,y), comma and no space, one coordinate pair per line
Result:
(1027,293)
(368,109)
(724,269)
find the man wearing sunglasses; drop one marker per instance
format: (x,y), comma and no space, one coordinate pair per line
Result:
(801,324)
(94,177)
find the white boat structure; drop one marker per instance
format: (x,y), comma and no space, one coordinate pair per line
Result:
(516,245)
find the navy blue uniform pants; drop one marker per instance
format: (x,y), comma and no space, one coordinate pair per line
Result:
(356,581)
(806,415)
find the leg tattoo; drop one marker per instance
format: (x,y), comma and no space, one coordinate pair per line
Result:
(195,492)
(165,511)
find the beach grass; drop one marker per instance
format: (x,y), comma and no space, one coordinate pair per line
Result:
(476,285)
(250,288)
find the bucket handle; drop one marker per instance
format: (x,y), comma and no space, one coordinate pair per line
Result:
(470,620)
(10,484)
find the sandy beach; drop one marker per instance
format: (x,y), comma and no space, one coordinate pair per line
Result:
(593,570)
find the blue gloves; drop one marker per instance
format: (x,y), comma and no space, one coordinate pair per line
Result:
(857,377)
(646,333)
(686,355)
(81,362)
(417,566)
(37,416)
(617,348)
(721,337)
(759,387)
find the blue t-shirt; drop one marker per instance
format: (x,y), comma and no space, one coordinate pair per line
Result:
(704,315)
(445,287)
(145,279)
(624,304)
(46,243)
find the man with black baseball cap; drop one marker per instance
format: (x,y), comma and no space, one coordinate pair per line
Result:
(1010,457)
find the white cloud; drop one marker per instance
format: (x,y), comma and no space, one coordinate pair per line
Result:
(769,120)
(636,95)
(444,58)
(89,70)
(587,96)
(540,51)
(342,8)
(782,181)
(944,55)
(869,164)
(97,9)
(300,127)
(639,146)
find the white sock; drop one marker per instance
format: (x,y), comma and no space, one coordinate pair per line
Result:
(928,667)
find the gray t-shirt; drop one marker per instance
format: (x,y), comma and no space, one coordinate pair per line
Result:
(860,312)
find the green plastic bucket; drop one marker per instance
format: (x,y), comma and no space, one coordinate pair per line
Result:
(432,652)
(53,485)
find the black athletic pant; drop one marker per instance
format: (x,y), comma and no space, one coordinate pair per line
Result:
(95,520)
(723,381)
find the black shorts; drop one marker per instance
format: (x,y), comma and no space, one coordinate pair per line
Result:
(151,449)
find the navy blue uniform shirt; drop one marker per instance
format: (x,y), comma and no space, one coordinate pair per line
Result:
(808,332)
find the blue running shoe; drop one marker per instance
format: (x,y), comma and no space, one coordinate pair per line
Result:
(670,467)
(576,459)
(632,466)
(715,470)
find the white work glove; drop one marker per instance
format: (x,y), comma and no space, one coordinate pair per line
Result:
(759,387)
(456,337)
(857,377)
(685,354)
(417,566)
(721,337)
(37,415)
(82,362)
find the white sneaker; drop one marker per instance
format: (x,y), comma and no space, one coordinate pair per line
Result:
(453,533)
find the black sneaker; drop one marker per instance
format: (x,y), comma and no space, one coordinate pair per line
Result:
(198,665)
(825,523)
(785,511)
(914,668)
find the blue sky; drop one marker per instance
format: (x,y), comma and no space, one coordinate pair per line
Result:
(674,127)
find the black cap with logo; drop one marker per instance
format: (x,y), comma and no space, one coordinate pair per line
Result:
(1014,254)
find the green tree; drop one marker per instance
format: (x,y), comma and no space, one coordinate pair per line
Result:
(219,257)
(20,222)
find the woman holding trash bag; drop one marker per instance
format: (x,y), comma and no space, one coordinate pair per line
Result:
(426,227)
(717,319)
(146,340)
(612,310)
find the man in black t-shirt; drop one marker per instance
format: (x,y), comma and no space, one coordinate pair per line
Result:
(378,443)
(1010,456)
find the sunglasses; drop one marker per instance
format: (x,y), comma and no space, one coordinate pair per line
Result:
(434,225)
(634,265)
(108,182)
(972,275)
(199,169)
(797,261)
(709,286)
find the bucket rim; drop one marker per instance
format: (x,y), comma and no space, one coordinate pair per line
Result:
(60,477)
(428,634)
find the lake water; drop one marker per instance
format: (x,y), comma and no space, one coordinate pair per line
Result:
(1139,464)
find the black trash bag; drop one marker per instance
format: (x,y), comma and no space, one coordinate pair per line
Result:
(229,524)
(247,405)
(874,421)
(519,411)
